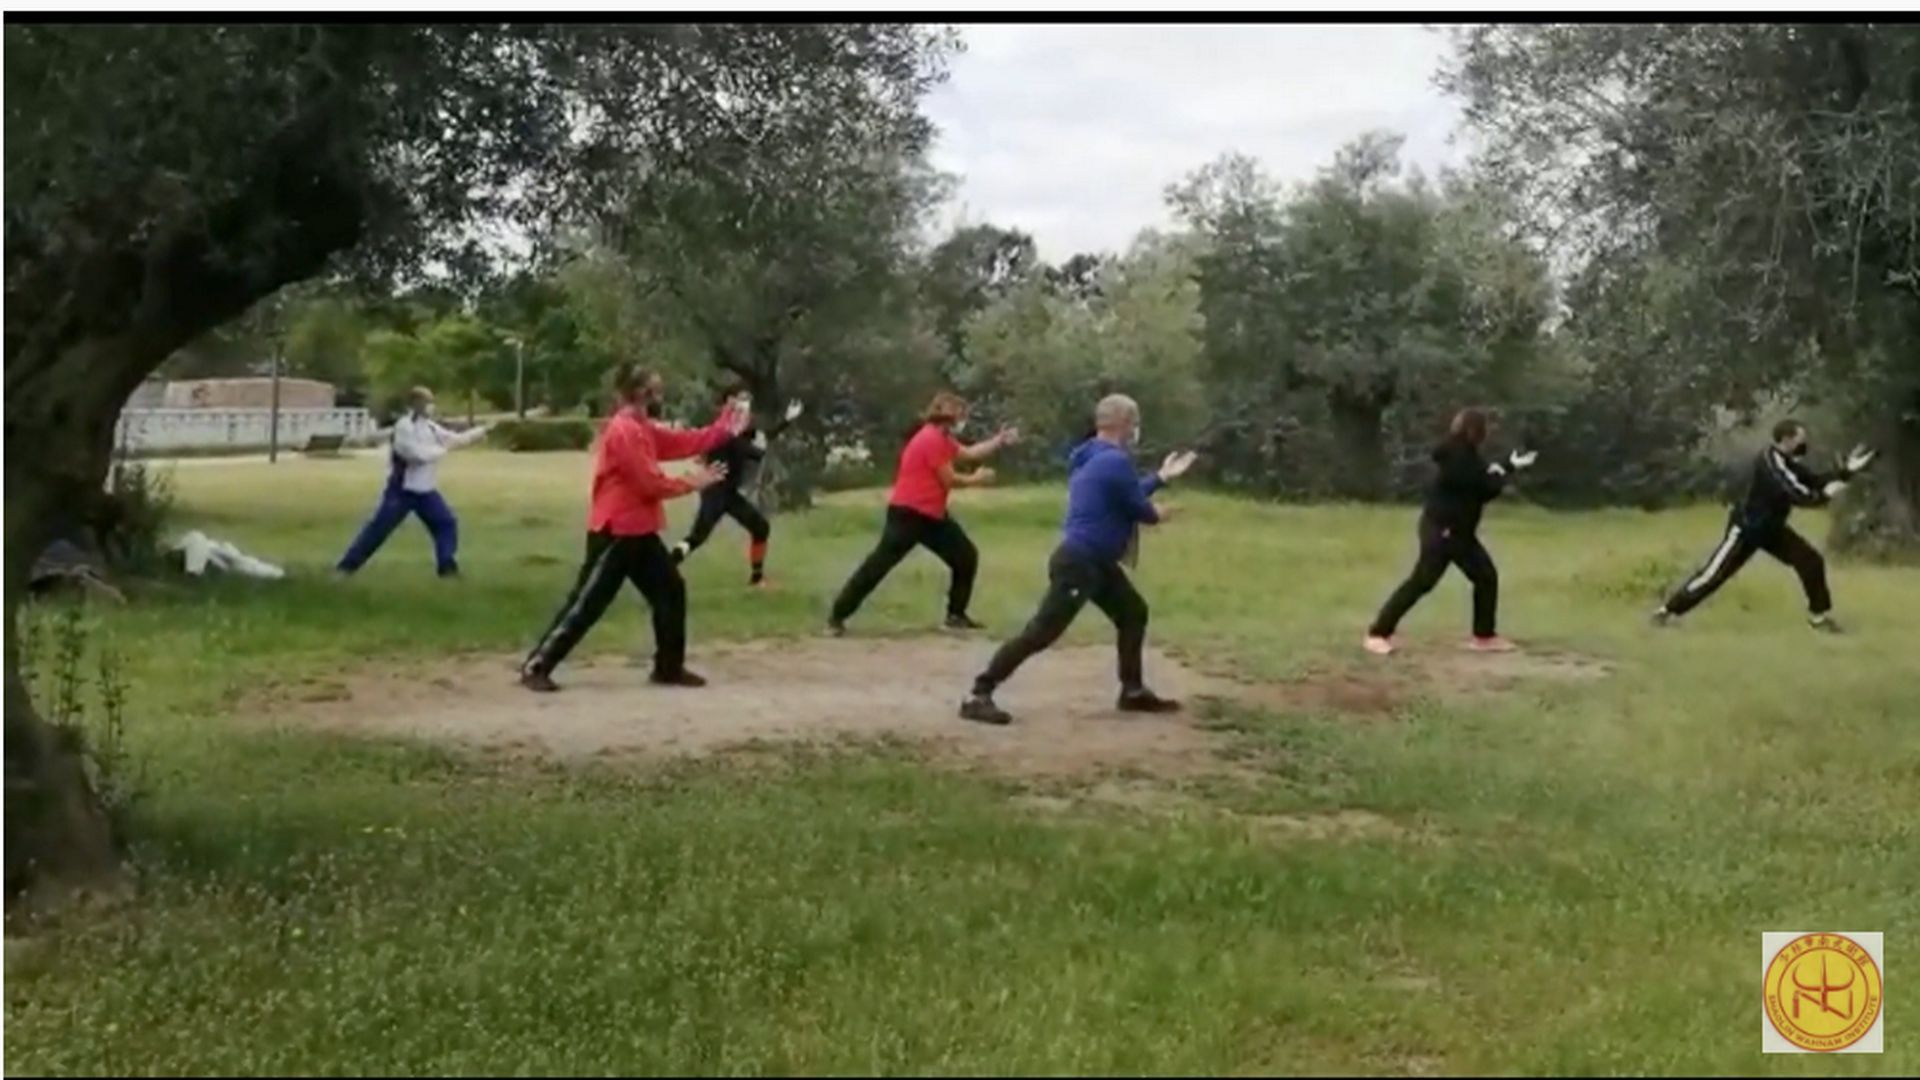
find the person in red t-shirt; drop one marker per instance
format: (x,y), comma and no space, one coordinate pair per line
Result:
(623,530)
(917,512)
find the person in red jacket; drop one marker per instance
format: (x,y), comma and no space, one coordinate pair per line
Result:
(623,530)
(917,512)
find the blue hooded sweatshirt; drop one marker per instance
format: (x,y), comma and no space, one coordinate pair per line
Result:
(1106,500)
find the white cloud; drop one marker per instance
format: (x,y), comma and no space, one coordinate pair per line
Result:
(1073,132)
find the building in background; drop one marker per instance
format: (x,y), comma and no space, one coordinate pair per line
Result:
(233,414)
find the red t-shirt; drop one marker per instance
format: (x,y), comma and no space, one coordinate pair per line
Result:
(917,485)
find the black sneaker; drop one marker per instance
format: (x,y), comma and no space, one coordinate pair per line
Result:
(679,553)
(963,622)
(683,677)
(1146,701)
(981,709)
(1825,624)
(836,628)
(538,681)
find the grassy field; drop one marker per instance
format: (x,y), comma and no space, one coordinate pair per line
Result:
(1580,886)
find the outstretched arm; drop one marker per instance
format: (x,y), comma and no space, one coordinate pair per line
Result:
(1803,486)
(675,444)
(454,440)
(986,448)
(951,478)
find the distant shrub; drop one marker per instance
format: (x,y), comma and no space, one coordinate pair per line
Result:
(564,433)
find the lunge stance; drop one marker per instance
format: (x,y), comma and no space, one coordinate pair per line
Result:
(413,487)
(917,512)
(1758,522)
(623,531)
(739,457)
(1449,534)
(1106,505)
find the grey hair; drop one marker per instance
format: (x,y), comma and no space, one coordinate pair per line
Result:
(1115,408)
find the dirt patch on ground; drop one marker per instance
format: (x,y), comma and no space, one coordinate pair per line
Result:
(903,690)
(813,691)
(1460,668)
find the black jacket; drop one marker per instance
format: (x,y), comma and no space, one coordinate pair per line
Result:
(1464,485)
(1779,483)
(741,454)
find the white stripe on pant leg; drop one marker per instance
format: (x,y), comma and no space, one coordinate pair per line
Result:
(1719,558)
(573,609)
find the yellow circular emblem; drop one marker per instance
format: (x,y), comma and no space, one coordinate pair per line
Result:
(1822,992)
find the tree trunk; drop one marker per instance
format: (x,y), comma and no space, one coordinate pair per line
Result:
(109,319)
(1357,420)
(1879,517)
(60,421)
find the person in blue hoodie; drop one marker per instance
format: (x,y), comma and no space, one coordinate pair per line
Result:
(1107,502)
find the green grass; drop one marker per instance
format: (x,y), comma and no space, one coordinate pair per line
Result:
(1583,882)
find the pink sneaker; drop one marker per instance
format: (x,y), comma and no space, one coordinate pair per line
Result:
(1496,643)
(1379,646)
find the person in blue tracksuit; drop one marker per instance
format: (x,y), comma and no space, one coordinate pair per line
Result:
(1107,502)
(413,488)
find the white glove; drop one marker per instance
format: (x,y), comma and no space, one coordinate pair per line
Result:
(1523,459)
(759,440)
(795,408)
(1860,458)
(1177,464)
(1496,469)
(1834,488)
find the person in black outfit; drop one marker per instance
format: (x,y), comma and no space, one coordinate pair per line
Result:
(1449,525)
(741,455)
(1779,482)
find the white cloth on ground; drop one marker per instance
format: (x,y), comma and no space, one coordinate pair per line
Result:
(200,551)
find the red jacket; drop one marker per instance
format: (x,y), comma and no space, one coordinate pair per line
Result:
(628,486)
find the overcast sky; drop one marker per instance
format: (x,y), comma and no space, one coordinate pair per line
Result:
(1072,132)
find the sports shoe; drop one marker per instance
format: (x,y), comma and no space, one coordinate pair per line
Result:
(836,628)
(679,552)
(683,677)
(1496,643)
(1663,617)
(1145,701)
(538,681)
(1378,645)
(963,622)
(762,584)
(981,709)
(1825,624)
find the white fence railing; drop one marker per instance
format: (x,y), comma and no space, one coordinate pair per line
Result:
(148,430)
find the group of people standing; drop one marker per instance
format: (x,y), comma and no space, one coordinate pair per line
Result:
(1108,503)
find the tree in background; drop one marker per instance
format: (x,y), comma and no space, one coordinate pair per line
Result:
(1775,166)
(162,179)
(779,243)
(1362,291)
(1045,357)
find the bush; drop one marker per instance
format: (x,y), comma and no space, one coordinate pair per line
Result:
(851,468)
(130,523)
(563,433)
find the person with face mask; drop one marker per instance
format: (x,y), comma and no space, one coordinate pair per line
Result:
(1779,482)
(917,512)
(1107,503)
(739,456)
(1449,534)
(418,443)
(623,530)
